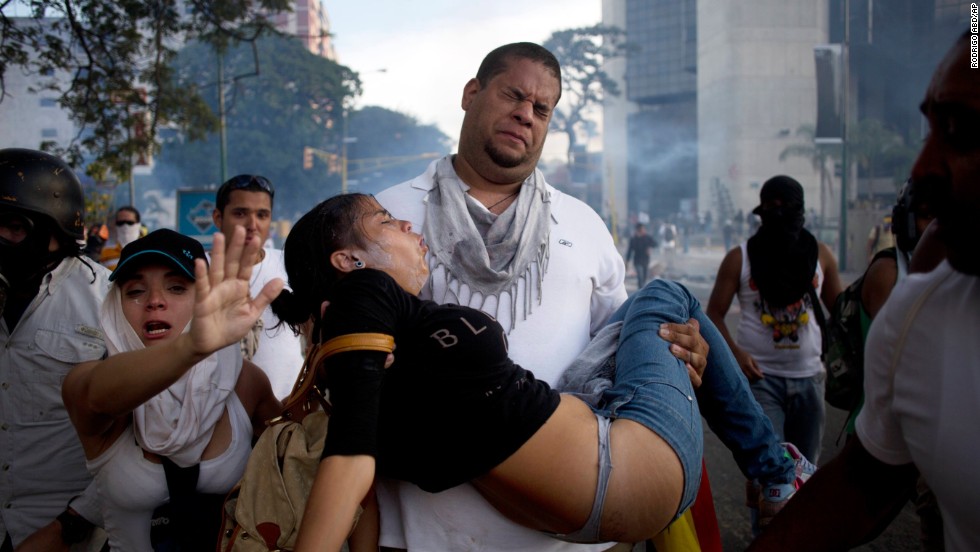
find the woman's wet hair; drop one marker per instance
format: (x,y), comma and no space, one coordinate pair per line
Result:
(332,225)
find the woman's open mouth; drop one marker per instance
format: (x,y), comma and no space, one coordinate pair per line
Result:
(155,329)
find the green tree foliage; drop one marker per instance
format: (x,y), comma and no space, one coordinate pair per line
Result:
(109,64)
(880,150)
(581,53)
(281,99)
(98,206)
(389,147)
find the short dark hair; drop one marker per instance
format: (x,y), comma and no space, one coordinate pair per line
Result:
(131,209)
(496,61)
(246,182)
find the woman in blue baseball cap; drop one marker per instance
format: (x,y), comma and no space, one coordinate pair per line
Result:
(174,395)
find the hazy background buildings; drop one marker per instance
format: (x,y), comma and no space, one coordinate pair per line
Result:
(716,98)
(720,94)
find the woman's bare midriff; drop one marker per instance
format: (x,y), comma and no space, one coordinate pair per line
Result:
(549,484)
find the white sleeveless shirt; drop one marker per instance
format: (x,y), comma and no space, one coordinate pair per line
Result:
(784,341)
(130,486)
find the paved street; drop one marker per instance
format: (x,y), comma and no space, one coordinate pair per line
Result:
(697,270)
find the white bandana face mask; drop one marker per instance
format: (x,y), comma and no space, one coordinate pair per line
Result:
(127,233)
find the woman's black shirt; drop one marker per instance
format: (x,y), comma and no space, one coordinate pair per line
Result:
(451,407)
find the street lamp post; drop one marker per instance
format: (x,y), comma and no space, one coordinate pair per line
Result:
(343,153)
(842,246)
(221,119)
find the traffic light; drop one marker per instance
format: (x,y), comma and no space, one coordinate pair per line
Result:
(307,158)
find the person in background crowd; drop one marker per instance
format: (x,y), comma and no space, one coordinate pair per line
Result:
(739,221)
(777,275)
(880,237)
(639,249)
(779,345)
(668,236)
(128,230)
(728,233)
(246,200)
(50,322)
(922,360)
(95,240)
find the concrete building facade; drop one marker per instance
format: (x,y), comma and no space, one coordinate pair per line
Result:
(30,115)
(309,22)
(756,88)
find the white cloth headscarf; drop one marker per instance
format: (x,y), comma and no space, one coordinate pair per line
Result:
(177,423)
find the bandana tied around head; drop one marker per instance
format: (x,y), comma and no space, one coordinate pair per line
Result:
(782,254)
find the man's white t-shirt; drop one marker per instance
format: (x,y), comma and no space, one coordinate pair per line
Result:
(280,351)
(922,389)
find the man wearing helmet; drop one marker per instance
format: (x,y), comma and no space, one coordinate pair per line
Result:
(49,323)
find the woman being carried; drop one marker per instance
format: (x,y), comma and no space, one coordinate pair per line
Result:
(175,386)
(453,407)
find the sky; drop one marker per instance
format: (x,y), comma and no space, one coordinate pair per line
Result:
(416,56)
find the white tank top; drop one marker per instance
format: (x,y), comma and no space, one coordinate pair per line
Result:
(785,341)
(131,487)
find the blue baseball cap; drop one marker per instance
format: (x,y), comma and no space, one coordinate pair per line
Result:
(164,245)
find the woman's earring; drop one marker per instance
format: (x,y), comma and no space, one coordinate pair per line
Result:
(359,264)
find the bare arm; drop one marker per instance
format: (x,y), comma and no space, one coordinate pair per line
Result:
(96,393)
(878,284)
(367,532)
(340,485)
(726,286)
(256,395)
(831,276)
(847,502)
(45,539)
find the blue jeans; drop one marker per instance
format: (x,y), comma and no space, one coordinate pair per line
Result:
(652,387)
(642,269)
(796,408)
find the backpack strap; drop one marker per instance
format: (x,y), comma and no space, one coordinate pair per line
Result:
(899,347)
(306,395)
(817,308)
(356,342)
(821,320)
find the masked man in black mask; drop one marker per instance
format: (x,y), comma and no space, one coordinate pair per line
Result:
(778,275)
(49,323)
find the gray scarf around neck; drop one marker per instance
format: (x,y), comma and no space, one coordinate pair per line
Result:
(514,239)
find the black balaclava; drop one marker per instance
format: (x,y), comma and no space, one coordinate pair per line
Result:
(782,254)
(25,263)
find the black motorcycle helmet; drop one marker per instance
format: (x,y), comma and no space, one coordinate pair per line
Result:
(40,183)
